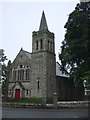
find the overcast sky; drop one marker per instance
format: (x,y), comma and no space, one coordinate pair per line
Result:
(19,19)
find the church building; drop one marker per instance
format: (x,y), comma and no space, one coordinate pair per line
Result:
(37,74)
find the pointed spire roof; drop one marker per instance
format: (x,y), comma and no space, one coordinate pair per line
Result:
(43,23)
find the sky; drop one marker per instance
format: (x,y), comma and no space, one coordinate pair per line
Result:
(19,19)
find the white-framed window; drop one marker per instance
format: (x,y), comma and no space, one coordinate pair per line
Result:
(21,75)
(14,75)
(27,93)
(27,74)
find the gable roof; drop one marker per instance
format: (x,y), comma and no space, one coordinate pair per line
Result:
(59,72)
(18,83)
(27,54)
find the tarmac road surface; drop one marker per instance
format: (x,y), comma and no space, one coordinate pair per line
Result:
(43,113)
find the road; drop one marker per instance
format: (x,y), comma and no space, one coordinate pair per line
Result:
(42,113)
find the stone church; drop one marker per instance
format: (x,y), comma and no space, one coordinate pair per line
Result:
(37,74)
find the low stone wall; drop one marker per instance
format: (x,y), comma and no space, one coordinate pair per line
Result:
(23,105)
(74,104)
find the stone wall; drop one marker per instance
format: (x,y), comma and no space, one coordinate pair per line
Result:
(43,70)
(60,105)
(65,88)
(43,65)
(67,91)
(21,60)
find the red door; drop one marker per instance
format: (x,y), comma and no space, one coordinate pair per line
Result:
(17,94)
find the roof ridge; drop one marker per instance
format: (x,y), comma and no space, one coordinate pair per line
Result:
(28,54)
(26,51)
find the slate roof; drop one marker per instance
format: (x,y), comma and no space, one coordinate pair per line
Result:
(43,23)
(28,54)
(59,72)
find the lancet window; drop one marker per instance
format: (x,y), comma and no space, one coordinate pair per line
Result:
(37,45)
(21,73)
(41,44)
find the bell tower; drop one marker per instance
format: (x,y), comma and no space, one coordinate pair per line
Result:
(43,62)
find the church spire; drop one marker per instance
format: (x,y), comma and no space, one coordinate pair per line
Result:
(43,23)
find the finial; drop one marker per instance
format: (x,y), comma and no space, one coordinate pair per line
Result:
(21,48)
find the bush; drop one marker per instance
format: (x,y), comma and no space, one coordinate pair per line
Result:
(33,100)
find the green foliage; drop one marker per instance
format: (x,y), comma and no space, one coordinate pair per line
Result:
(75,50)
(3,76)
(36,100)
(32,100)
(4,71)
(87,78)
(3,58)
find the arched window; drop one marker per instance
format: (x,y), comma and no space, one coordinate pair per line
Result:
(20,75)
(48,44)
(41,44)
(37,45)
(38,85)
(21,66)
(14,75)
(51,45)
(27,74)
(27,92)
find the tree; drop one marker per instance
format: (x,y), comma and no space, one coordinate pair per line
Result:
(5,82)
(3,66)
(4,78)
(75,49)
(3,72)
